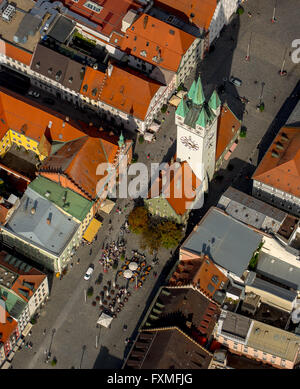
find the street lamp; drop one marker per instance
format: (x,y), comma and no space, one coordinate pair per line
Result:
(248,48)
(273,20)
(283,72)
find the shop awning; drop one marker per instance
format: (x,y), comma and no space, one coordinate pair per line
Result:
(92,230)
(27,329)
(6,365)
(107,206)
(174,100)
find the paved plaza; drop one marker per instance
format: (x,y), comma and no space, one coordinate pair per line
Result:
(70,322)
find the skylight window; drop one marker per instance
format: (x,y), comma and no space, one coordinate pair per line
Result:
(93,6)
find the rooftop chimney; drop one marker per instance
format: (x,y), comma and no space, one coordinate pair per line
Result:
(145,21)
(110,69)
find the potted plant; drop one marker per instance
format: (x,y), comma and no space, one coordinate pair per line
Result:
(90,291)
(54,362)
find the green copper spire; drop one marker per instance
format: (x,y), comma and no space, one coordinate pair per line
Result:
(198,97)
(182,109)
(202,118)
(121,140)
(214,101)
(192,90)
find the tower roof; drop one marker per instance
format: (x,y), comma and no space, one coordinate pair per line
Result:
(182,109)
(191,92)
(202,118)
(214,101)
(196,92)
(121,140)
(199,97)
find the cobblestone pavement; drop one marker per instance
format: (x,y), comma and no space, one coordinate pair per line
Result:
(74,342)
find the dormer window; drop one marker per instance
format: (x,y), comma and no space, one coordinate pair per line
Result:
(70,80)
(58,75)
(50,71)
(38,65)
(85,88)
(94,91)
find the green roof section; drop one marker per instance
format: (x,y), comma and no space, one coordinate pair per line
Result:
(202,118)
(214,101)
(198,97)
(182,109)
(64,198)
(14,305)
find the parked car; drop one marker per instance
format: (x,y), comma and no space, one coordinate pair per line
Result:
(49,101)
(34,94)
(89,272)
(235,81)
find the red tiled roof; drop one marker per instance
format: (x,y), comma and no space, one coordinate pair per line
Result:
(33,276)
(109,19)
(228,126)
(3,213)
(157,38)
(179,193)
(280,167)
(16,53)
(8,328)
(129,91)
(93,80)
(203,10)
(21,114)
(78,161)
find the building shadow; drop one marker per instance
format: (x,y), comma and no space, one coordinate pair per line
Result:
(280,121)
(105,360)
(238,176)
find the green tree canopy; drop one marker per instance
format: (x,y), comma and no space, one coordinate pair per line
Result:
(151,238)
(138,220)
(171,234)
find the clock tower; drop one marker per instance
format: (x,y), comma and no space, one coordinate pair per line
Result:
(196,121)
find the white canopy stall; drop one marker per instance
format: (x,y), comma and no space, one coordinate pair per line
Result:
(104,320)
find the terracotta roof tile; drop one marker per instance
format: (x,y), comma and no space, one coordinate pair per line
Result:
(33,276)
(22,114)
(8,328)
(280,167)
(176,194)
(129,91)
(92,83)
(109,19)
(203,10)
(150,38)
(78,161)
(228,125)
(17,53)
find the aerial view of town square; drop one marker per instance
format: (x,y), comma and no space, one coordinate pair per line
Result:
(149,186)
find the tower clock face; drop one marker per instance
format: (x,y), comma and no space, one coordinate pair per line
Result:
(189,143)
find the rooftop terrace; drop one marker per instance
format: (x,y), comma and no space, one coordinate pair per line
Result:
(9,29)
